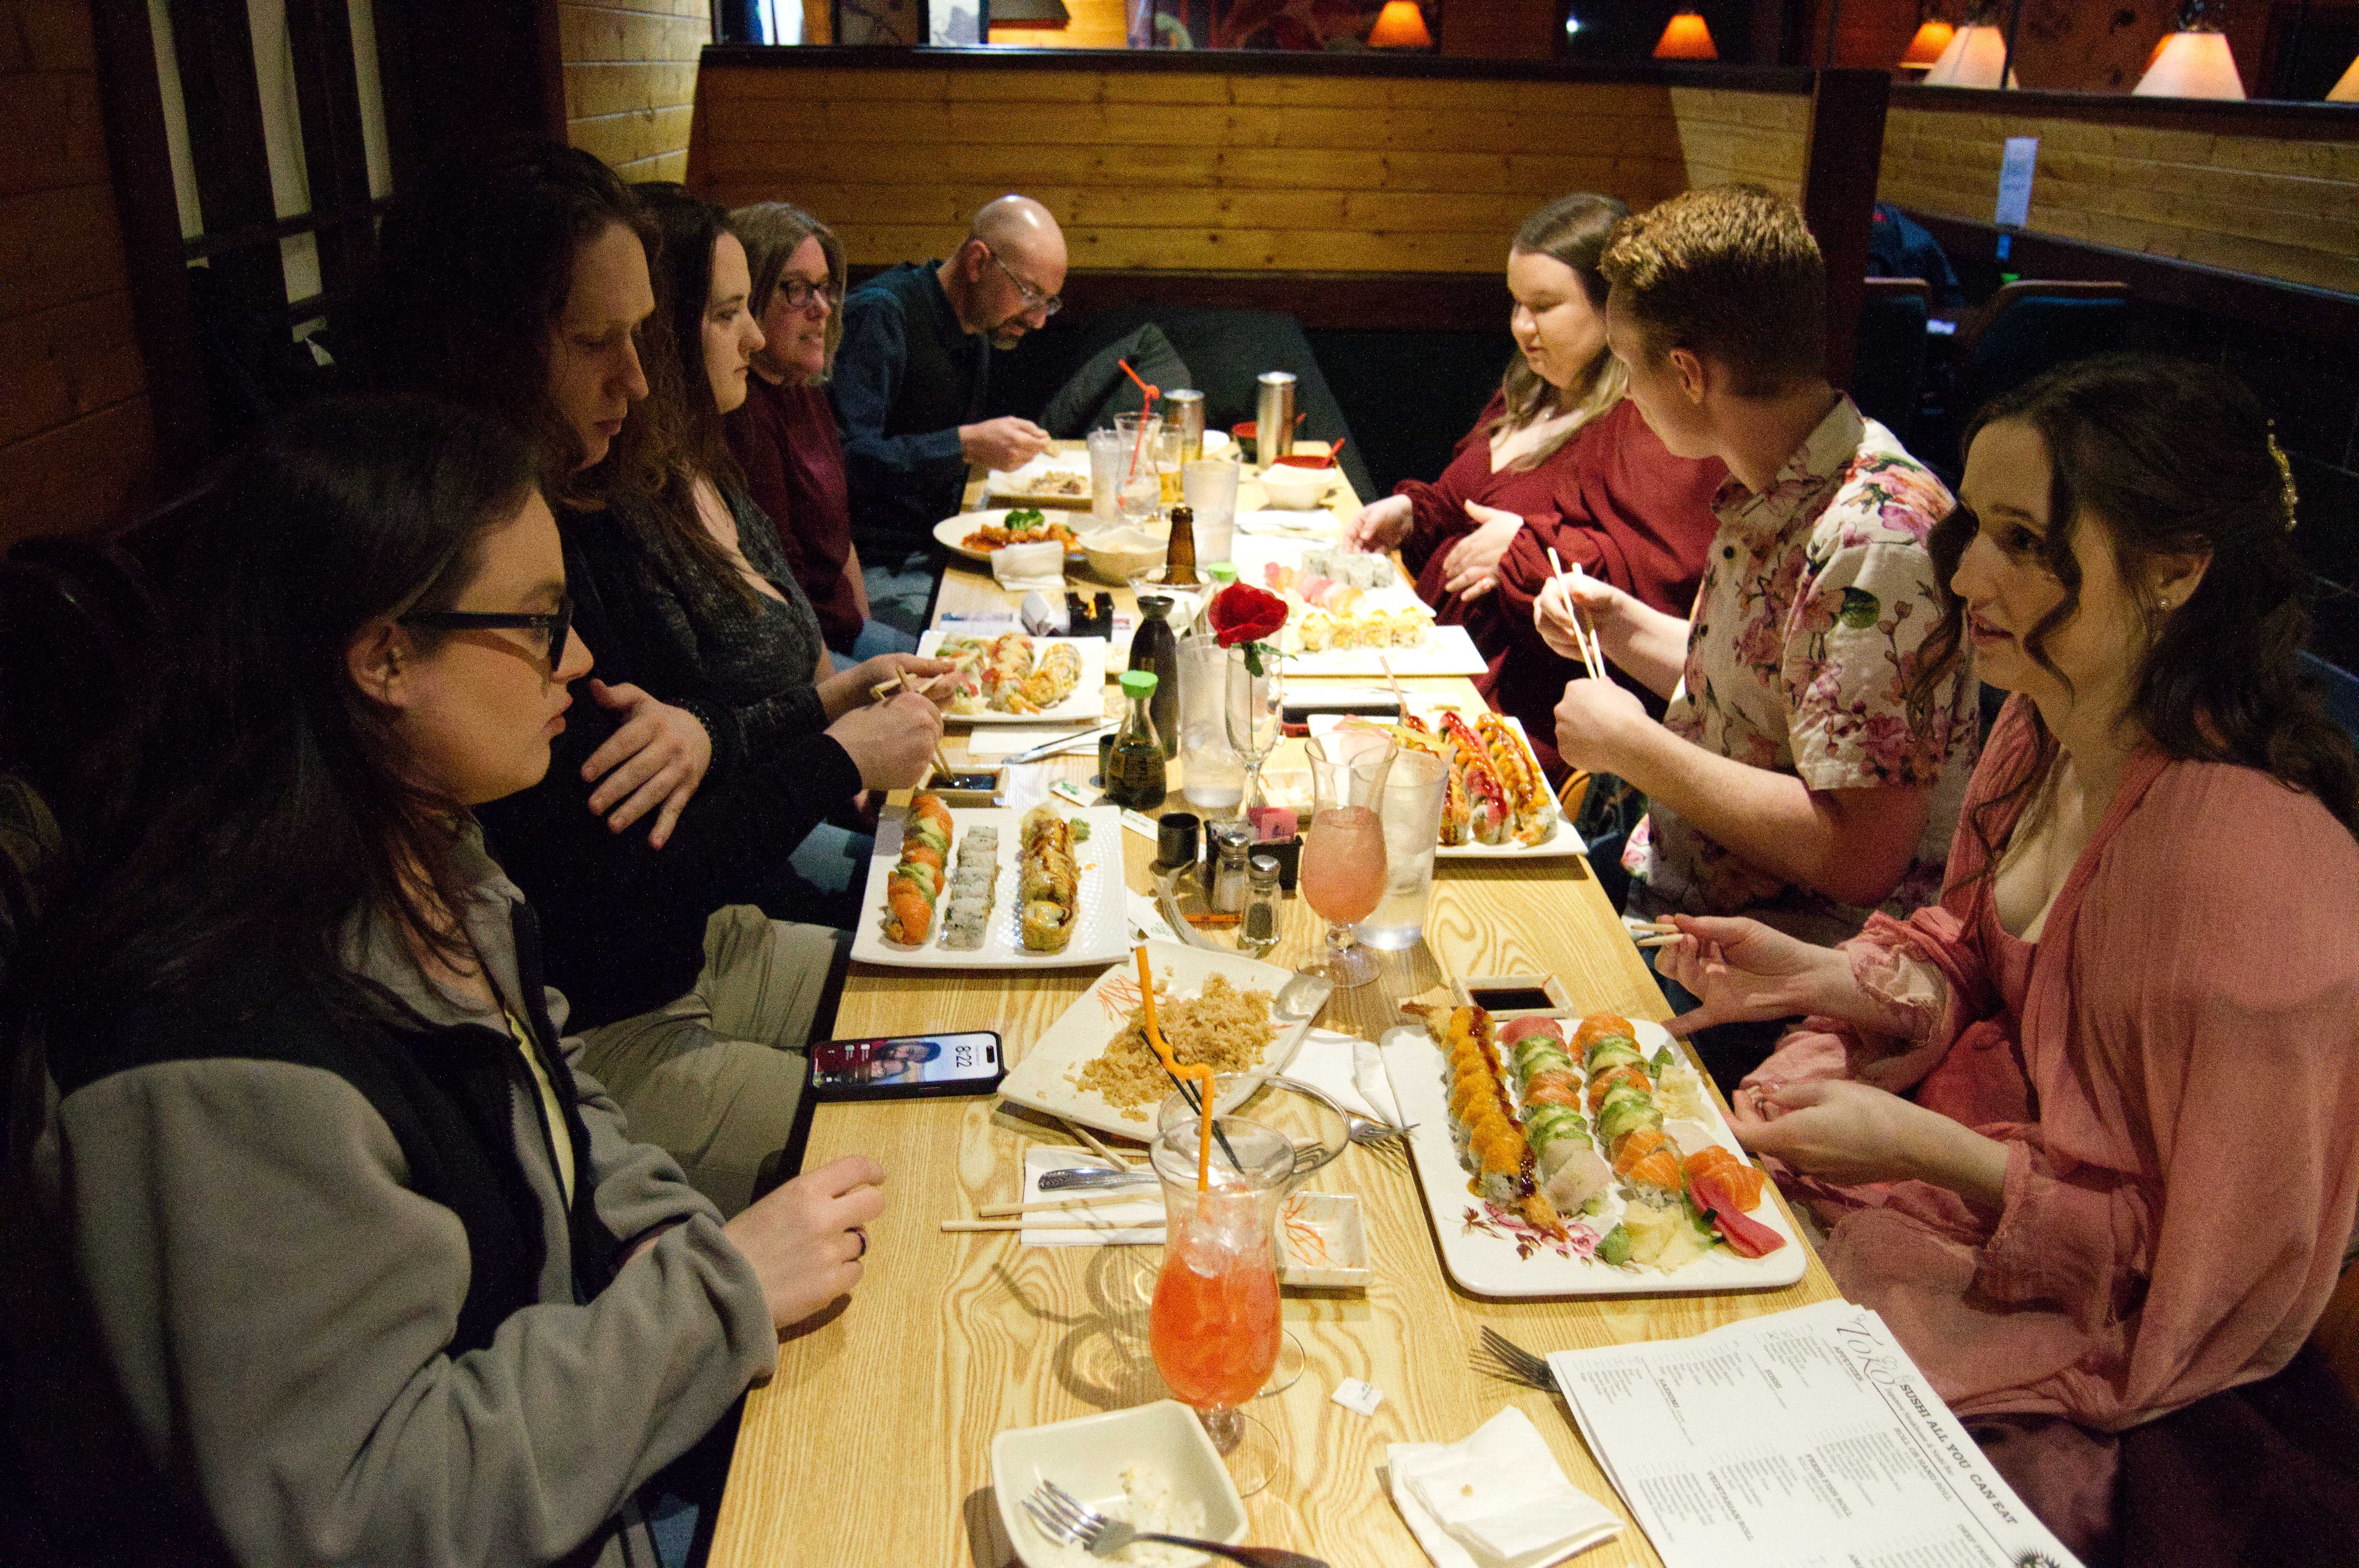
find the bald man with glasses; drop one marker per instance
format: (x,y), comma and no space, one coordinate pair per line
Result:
(915,365)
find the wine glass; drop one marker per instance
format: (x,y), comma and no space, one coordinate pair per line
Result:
(1254,713)
(1344,858)
(1213,1326)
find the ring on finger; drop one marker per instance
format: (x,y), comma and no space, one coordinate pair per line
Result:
(862,1232)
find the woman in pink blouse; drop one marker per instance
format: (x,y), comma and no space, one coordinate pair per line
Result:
(1453,532)
(2086,1133)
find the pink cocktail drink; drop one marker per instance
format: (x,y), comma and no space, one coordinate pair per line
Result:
(1213,1327)
(1343,863)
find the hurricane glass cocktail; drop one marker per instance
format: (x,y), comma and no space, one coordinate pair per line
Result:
(1213,1326)
(1317,1133)
(1344,856)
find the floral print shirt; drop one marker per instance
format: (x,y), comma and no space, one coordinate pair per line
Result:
(1817,595)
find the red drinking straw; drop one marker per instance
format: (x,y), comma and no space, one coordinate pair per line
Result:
(1152,392)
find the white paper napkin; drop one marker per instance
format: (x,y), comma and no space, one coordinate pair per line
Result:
(1496,1499)
(1136,1223)
(1376,1084)
(1022,567)
(1325,1062)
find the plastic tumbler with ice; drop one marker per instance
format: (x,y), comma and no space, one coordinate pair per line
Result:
(1412,814)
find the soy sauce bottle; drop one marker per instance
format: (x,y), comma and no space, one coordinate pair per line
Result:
(1154,647)
(1133,773)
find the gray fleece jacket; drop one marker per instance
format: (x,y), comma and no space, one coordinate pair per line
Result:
(243,1330)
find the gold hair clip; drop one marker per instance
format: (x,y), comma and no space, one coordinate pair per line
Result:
(2286,494)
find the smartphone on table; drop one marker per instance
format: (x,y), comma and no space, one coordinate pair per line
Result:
(907,1067)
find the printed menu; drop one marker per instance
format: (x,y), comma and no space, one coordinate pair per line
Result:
(1803,1439)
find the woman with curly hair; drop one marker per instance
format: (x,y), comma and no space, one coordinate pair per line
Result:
(2086,1131)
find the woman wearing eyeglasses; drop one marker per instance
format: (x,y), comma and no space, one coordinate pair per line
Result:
(319,1249)
(521,287)
(784,434)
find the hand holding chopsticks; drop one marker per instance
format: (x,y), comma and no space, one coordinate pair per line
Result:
(1593,653)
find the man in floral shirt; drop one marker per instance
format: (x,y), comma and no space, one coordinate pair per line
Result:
(1808,769)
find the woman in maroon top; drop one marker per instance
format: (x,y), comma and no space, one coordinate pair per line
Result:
(785,436)
(1453,532)
(1624,510)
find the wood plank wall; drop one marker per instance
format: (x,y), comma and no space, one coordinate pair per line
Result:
(2274,196)
(630,80)
(76,427)
(1215,170)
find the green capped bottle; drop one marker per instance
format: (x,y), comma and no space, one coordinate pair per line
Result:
(1135,772)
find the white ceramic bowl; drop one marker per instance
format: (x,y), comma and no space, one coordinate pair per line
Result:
(1086,1457)
(1117,555)
(1295,488)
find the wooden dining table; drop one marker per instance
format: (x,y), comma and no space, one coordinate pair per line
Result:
(871,1442)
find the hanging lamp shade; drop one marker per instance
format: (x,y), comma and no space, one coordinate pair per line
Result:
(1400,26)
(2191,65)
(1975,56)
(1685,37)
(1924,50)
(2347,90)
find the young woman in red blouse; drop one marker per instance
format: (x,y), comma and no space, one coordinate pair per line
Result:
(1559,460)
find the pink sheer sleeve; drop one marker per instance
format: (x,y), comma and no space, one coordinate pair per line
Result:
(1927,984)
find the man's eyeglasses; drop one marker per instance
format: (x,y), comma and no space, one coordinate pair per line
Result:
(797,295)
(552,627)
(1047,304)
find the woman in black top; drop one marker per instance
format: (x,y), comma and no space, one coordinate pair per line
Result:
(724,589)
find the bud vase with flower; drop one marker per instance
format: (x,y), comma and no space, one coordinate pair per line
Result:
(1247,620)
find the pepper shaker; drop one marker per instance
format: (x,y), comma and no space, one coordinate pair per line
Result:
(1257,932)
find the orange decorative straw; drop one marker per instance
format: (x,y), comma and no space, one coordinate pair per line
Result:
(1198,1071)
(1151,392)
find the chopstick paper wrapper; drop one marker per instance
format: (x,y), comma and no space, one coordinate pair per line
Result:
(1134,1223)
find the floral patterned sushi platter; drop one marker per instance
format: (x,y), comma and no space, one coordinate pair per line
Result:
(1492,1252)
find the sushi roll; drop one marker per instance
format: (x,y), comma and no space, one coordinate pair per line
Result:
(1047,926)
(1491,1143)
(908,909)
(1318,631)
(964,925)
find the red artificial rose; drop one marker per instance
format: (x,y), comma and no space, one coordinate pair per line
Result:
(1243,613)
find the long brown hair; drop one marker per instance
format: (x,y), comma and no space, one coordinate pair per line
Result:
(1572,229)
(680,396)
(2173,459)
(473,268)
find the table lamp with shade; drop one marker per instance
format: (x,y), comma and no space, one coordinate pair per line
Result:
(1685,37)
(2192,61)
(1400,26)
(1975,56)
(1924,50)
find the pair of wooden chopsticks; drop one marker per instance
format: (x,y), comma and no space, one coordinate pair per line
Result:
(1654,933)
(993,1216)
(900,683)
(1593,652)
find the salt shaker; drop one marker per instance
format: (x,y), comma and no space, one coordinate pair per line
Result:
(1233,845)
(1257,932)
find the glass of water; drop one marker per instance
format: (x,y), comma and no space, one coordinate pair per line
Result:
(1109,450)
(1209,485)
(1412,815)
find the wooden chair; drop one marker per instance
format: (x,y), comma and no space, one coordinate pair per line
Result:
(1573,794)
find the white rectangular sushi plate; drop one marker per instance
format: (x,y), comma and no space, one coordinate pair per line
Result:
(1446,651)
(1085,705)
(1484,1257)
(1042,1081)
(1017,484)
(1101,925)
(1562,842)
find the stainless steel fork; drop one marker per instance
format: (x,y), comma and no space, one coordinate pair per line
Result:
(1510,1360)
(1064,1517)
